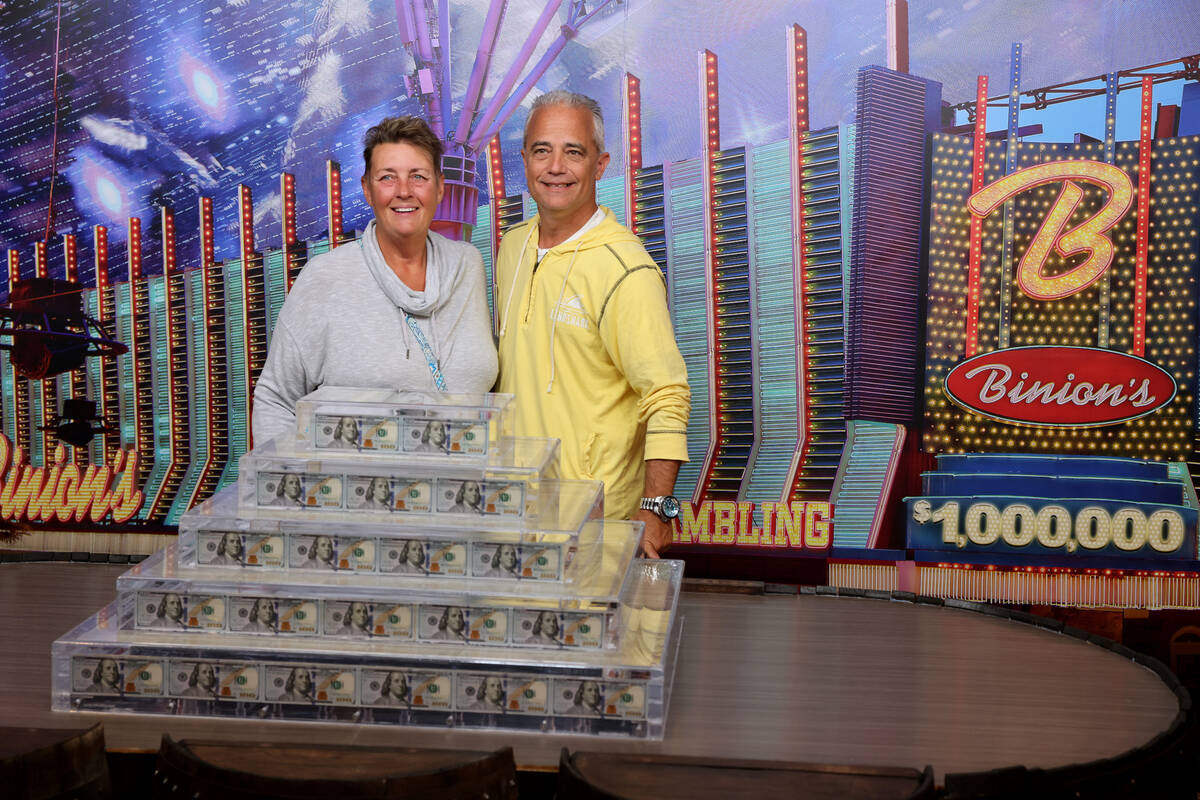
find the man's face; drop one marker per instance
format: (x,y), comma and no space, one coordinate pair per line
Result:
(302,683)
(233,544)
(403,189)
(562,163)
(455,621)
(172,606)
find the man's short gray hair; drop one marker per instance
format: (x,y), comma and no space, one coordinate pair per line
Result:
(561,97)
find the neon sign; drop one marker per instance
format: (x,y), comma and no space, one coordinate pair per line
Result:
(63,491)
(1089,237)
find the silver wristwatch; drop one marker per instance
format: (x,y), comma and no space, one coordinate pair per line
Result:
(665,506)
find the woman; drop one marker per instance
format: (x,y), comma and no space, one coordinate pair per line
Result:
(417,294)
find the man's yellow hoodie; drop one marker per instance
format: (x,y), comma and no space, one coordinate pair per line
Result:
(587,347)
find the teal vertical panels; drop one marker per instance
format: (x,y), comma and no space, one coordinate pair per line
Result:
(823,306)
(775,320)
(235,337)
(37,451)
(481,237)
(650,217)
(94,374)
(160,389)
(123,325)
(198,399)
(610,193)
(734,335)
(8,397)
(317,248)
(847,135)
(275,277)
(689,309)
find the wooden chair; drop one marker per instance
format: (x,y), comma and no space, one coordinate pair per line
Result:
(201,770)
(620,776)
(54,764)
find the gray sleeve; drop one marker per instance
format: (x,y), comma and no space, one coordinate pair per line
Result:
(283,381)
(470,357)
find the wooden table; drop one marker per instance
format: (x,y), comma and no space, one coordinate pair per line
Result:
(780,677)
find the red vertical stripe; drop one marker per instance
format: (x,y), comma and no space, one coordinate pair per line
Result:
(978,158)
(1143,217)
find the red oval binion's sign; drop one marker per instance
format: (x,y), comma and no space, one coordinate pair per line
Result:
(1063,386)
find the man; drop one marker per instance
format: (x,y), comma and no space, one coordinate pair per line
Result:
(586,343)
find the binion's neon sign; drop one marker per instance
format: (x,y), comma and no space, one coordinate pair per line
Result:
(65,492)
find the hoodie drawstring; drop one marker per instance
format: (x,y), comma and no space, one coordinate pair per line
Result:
(513,289)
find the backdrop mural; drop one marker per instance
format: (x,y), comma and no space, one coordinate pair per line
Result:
(863,262)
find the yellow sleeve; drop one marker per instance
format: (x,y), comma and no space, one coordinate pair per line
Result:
(636,329)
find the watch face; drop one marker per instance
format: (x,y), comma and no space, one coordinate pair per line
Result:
(670,507)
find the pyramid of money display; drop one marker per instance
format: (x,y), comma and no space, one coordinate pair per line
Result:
(400,559)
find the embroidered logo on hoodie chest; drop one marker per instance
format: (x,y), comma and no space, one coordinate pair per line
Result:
(569,311)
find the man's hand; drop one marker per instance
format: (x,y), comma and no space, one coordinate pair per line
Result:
(660,480)
(657,537)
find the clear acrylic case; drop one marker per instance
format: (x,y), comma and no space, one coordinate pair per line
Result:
(99,666)
(159,596)
(215,535)
(384,422)
(275,478)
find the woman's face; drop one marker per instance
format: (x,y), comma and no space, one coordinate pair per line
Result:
(416,553)
(493,690)
(455,620)
(590,693)
(508,557)
(301,682)
(206,676)
(471,493)
(358,615)
(402,176)
(437,433)
(233,545)
(107,671)
(379,490)
(323,548)
(549,623)
(172,606)
(291,486)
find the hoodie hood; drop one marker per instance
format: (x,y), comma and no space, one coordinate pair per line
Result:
(419,304)
(607,232)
